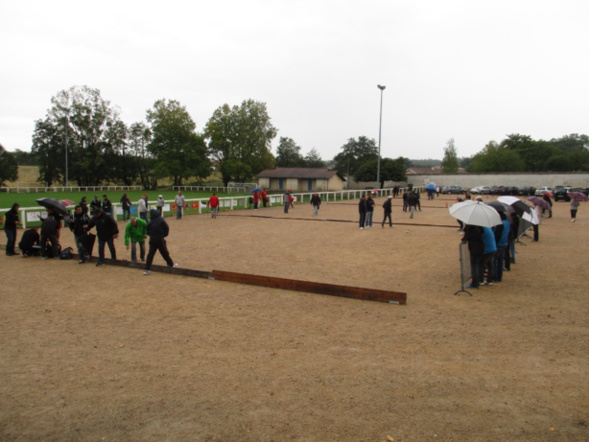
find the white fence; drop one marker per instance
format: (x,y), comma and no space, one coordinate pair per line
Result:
(32,215)
(67,189)
(211,189)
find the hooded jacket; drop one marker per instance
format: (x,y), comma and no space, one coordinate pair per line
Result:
(106,227)
(157,227)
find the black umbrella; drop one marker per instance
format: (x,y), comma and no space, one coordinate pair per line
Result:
(53,204)
(502,208)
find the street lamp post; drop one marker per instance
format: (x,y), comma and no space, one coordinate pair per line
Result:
(382,88)
(66,161)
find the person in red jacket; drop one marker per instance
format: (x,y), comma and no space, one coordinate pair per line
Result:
(264,197)
(256,200)
(213,204)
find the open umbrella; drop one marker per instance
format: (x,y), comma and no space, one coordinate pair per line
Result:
(508,199)
(475,213)
(502,208)
(531,217)
(53,204)
(67,202)
(518,205)
(257,189)
(431,186)
(578,196)
(536,200)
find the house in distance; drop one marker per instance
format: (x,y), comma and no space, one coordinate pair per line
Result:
(301,179)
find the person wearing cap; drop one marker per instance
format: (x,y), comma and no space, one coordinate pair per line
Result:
(160,204)
(142,207)
(388,210)
(316,203)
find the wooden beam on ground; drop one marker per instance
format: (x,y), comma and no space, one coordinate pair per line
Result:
(312,287)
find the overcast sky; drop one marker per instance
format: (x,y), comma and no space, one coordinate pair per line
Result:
(472,70)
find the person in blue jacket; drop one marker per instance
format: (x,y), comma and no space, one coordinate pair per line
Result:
(490,248)
(502,238)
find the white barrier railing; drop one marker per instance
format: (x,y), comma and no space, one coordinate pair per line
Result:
(68,189)
(196,205)
(211,189)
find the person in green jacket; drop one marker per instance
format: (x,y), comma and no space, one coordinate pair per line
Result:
(135,233)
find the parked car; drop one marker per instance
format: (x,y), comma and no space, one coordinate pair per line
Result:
(540,190)
(453,190)
(561,193)
(481,190)
(526,191)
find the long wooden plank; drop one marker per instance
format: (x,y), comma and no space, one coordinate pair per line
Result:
(313,287)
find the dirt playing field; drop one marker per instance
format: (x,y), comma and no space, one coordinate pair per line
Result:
(107,353)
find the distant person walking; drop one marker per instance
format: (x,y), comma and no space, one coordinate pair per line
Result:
(388,210)
(362,211)
(157,230)
(126,206)
(10,224)
(574,208)
(213,204)
(411,202)
(316,203)
(286,200)
(160,205)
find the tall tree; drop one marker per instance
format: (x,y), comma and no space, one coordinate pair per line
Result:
(8,166)
(83,118)
(180,152)
(354,153)
(239,140)
(138,139)
(390,170)
(313,159)
(495,158)
(48,149)
(450,160)
(288,153)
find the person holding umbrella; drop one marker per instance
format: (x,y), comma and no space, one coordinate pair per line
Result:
(10,229)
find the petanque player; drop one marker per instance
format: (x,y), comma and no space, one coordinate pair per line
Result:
(135,234)
(157,230)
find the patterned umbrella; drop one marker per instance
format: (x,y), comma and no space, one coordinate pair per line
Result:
(578,196)
(537,201)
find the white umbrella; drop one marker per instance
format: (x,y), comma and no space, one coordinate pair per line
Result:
(508,199)
(475,213)
(531,217)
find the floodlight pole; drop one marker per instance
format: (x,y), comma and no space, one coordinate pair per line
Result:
(382,88)
(66,161)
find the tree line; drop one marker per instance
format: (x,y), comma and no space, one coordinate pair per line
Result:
(237,142)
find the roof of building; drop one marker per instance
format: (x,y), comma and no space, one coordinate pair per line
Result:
(299,172)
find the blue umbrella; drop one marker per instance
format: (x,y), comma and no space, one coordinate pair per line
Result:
(257,189)
(431,186)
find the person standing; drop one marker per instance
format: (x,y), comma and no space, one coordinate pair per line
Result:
(502,232)
(362,211)
(158,230)
(135,233)
(546,197)
(411,202)
(213,204)
(107,231)
(126,205)
(106,205)
(78,225)
(160,204)
(574,208)
(388,210)
(286,200)
(256,200)
(142,207)
(95,204)
(10,223)
(316,203)
(264,196)
(180,201)
(84,205)
(369,210)
(476,249)
(490,248)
